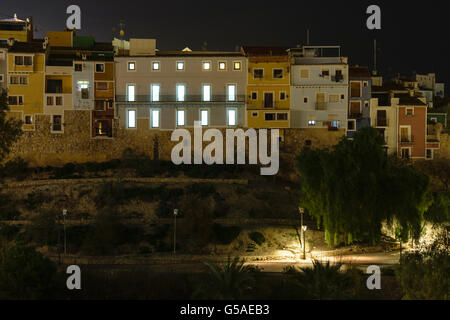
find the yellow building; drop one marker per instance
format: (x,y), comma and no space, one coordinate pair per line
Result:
(17,29)
(268,87)
(26,78)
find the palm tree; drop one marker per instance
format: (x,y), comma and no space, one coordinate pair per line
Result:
(227,281)
(323,281)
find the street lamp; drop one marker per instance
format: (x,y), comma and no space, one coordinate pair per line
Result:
(301,210)
(64,212)
(304,241)
(175,213)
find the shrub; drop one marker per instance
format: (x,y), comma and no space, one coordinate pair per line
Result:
(257,237)
(17,168)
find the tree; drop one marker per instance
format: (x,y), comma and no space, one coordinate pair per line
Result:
(10,129)
(354,187)
(26,274)
(228,281)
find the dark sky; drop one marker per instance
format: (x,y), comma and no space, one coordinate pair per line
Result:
(414,35)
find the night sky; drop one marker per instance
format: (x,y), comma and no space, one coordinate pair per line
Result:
(413,37)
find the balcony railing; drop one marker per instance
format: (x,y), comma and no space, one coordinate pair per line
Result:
(187,98)
(355,115)
(406,140)
(321,105)
(381,122)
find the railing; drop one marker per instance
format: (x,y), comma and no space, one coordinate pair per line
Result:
(187,98)
(381,122)
(321,105)
(406,140)
(337,78)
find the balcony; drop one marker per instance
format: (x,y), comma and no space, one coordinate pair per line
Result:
(337,78)
(381,122)
(321,106)
(406,140)
(171,98)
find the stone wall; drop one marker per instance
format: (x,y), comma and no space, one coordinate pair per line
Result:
(41,147)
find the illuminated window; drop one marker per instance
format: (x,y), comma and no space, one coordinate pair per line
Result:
(206,65)
(204,114)
(131,66)
(180,117)
(231,92)
(231,117)
(131,92)
(237,65)
(181,91)
(180,65)
(155,89)
(155,66)
(311,123)
(131,118)
(222,65)
(206,92)
(154,118)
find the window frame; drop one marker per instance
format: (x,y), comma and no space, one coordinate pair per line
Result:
(219,63)
(127,118)
(128,85)
(273,73)
(228,92)
(258,78)
(184,92)
(159,66)
(176,65)
(152,118)
(128,66)
(354,124)
(234,65)
(53,123)
(208,112)
(203,65)
(203,92)
(235,117)
(152,85)
(100,63)
(177,110)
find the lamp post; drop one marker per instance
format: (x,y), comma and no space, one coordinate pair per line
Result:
(64,212)
(301,210)
(175,213)
(304,241)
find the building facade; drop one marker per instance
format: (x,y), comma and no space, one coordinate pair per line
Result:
(360,93)
(319,88)
(268,87)
(164,90)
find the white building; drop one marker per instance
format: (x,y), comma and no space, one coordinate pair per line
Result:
(319,87)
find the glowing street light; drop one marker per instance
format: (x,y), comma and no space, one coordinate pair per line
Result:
(301,211)
(304,241)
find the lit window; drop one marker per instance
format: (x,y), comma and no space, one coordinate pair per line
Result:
(131,66)
(204,117)
(154,118)
(206,65)
(155,65)
(131,92)
(311,123)
(131,118)
(180,117)
(231,92)
(181,90)
(237,65)
(231,117)
(180,65)
(206,92)
(155,89)
(222,65)
(83,87)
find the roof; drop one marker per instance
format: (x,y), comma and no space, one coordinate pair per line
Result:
(406,99)
(359,72)
(27,47)
(266,51)
(13,19)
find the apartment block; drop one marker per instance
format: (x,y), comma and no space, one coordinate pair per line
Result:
(164,90)
(360,93)
(319,88)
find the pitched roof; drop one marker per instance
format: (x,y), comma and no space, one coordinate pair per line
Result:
(27,47)
(406,99)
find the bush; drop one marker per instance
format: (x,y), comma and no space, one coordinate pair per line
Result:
(43,229)
(257,237)
(66,171)
(17,168)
